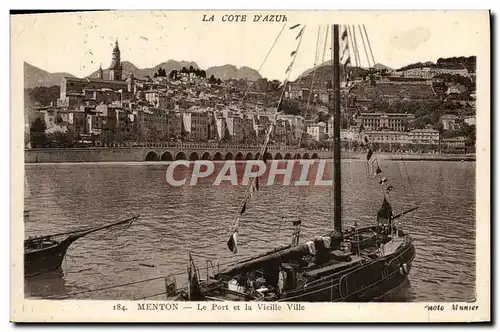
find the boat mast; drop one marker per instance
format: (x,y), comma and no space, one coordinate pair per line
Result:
(337,225)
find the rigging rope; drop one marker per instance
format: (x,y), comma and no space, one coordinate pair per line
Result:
(352,32)
(265,59)
(369,45)
(364,45)
(269,132)
(316,60)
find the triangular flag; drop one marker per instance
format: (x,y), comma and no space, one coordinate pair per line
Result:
(361,127)
(377,171)
(232,242)
(300,33)
(389,189)
(369,154)
(384,214)
(264,157)
(366,139)
(293,27)
(383,180)
(244,208)
(293,53)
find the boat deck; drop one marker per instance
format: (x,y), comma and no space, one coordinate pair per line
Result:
(332,267)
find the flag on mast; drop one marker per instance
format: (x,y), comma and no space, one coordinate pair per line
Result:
(345,55)
(232,242)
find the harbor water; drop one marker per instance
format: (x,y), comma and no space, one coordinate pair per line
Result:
(177,220)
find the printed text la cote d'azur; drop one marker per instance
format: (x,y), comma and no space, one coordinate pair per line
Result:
(243,18)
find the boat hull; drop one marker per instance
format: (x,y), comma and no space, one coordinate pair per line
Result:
(364,283)
(45,260)
(365,280)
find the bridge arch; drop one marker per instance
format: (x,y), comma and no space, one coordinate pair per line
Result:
(249,156)
(180,156)
(278,156)
(194,156)
(288,156)
(217,156)
(314,156)
(239,156)
(151,156)
(305,156)
(205,156)
(229,156)
(297,156)
(166,156)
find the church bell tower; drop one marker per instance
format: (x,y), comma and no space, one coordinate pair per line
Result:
(115,70)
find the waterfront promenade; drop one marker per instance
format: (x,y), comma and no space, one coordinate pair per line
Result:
(192,152)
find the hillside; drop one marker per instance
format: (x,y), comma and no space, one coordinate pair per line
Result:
(394,89)
(227,72)
(325,70)
(453,62)
(129,67)
(34,76)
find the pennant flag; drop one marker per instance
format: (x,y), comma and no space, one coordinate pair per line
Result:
(369,155)
(344,33)
(244,208)
(345,56)
(361,128)
(232,242)
(377,171)
(389,189)
(300,33)
(384,214)
(288,69)
(293,53)
(382,181)
(366,139)
(293,27)
(264,157)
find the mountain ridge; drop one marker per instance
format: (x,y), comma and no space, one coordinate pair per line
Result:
(36,77)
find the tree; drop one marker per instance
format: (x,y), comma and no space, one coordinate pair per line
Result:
(290,107)
(322,117)
(274,85)
(37,133)
(173,75)
(160,72)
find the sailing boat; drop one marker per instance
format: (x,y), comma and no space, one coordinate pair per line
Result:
(356,264)
(46,253)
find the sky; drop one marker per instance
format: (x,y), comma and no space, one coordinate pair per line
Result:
(78,43)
